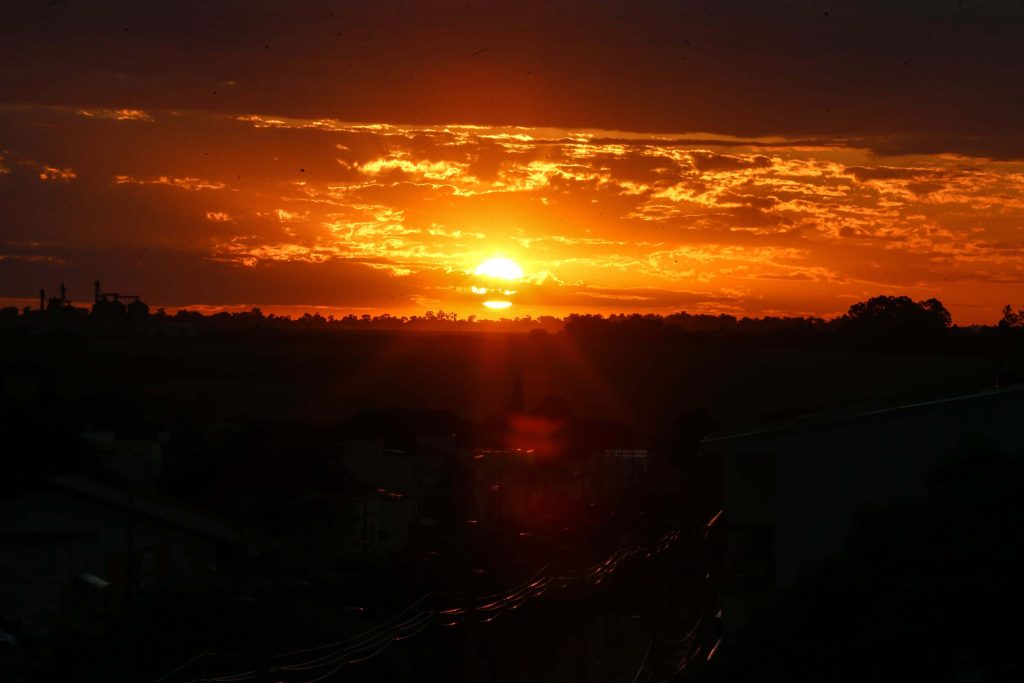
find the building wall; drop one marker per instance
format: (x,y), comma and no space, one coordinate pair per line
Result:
(811,483)
(378,523)
(36,576)
(826,476)
(414,475)
(791,497)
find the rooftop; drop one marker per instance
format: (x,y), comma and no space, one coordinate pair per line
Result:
(833,417)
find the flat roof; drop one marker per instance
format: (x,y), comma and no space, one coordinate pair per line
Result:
(146,503)
(813,420)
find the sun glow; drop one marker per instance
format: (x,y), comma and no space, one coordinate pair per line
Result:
(494,277)
(501,268)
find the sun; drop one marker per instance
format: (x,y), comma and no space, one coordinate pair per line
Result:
(498,305)
(501,268)
(494,279)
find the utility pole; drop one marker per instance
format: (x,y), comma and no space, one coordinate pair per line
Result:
(130,554)
(583,652)
(366,525)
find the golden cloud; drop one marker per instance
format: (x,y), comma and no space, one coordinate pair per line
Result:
(117,114)
(182,183)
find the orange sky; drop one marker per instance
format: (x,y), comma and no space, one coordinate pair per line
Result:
(148,151)
(201,209)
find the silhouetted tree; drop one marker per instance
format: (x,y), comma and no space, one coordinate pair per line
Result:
(585,326)
(1011,319)
(895,318)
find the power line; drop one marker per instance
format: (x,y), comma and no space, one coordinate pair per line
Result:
(407,623)
(643,662)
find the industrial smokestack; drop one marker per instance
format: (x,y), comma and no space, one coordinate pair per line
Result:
(42,300)
(96,286)
(63,295)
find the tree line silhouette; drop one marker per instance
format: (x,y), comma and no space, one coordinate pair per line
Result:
(879,320)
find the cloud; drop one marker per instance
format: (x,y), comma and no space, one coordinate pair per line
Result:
(117,114)
(422,168)
(57,174)
(182,183)
(909,77)
(864,174)
(709,161)
(600,220)
(42,171)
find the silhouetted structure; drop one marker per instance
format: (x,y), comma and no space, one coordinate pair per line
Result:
(54,305)
(792,490)
(110,306)
(516,403)
(76,545)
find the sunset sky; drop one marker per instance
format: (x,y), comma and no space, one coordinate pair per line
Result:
(740,157)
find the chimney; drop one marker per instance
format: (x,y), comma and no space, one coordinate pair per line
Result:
(63,295)
(42,300)
(96,286)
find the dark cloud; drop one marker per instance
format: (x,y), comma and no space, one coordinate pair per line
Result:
(797,277)
(709,161)
(180,278)
(911,76)
(627,298)
(864,174)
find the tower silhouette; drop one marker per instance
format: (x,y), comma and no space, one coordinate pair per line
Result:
(516,404)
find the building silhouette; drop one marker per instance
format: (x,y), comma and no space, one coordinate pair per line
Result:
(793,490)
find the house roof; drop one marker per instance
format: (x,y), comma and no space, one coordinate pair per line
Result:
(823,419)
(166,510)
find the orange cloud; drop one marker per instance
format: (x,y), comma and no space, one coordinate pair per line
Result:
(182,183)
(57,174)
(600,221)
(117,114)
